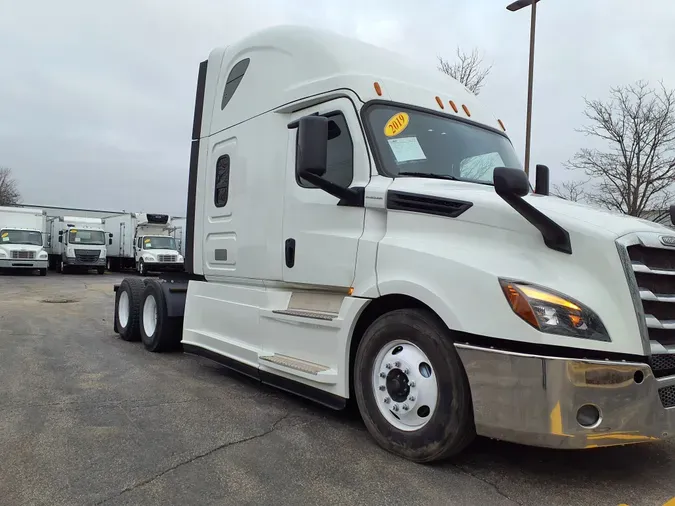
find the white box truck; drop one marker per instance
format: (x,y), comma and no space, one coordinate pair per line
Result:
(76,243)
(142,241)
(361,228)
(21,239)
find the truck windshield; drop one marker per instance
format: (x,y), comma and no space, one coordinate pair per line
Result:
(93,237)
(159,242)
(412,143)
(9,236)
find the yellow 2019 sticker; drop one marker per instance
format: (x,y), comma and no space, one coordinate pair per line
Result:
(146,241)
(73,230)
(396,124)
(5,234)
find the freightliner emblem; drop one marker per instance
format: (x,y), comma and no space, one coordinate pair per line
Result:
(668,240)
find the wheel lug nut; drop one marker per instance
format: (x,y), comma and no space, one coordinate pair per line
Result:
(397,364)
(412,383)
(404,407)
(388,366)
(395,407)
(407,371)
(386,400)
(383,388)
(382,375)
(411,398)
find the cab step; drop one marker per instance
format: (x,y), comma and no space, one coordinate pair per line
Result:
(305,313)
(302,368)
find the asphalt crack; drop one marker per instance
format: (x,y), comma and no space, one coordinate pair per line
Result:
(190,460)
(494,486)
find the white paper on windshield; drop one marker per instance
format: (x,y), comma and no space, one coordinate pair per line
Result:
(5,239)
(406,149)
(77,239)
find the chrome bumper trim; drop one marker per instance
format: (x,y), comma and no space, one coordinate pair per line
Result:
(533,400)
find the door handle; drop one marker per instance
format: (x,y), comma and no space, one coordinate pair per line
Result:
(290,253)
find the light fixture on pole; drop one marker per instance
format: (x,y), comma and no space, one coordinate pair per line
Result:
(516,6)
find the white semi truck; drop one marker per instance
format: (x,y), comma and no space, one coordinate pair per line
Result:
(361,228)
(142,241)
(76,243)
(21,240)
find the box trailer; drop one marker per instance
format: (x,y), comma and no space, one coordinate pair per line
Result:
(76,243)
(22,240)
(142,241)
(360,228)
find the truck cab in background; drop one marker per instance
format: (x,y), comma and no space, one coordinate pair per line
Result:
(21,239)
(360,228)
(142,241)
(77,243)
(157,253)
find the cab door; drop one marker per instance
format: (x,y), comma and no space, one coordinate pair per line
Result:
(320,237)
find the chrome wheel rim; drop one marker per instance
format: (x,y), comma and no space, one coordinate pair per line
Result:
(150,315)
(123,309)
(404,385)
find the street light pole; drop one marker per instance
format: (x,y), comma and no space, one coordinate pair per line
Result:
(516,6)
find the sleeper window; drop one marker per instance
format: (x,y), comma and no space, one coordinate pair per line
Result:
(222,186)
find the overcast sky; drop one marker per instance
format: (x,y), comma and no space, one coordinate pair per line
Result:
(96,102)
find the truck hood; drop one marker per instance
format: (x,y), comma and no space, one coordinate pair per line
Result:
(20,247)
(155,252)
(491,210)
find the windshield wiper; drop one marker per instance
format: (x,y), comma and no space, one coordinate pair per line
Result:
(429,175)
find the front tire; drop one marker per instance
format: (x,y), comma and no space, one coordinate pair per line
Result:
(411,387)
(159,332)
(127,308)
(100,270)
(141,268)
(43,272)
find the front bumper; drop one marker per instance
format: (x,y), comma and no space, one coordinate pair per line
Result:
(99,262)
(164,267)
(13,263)
(534,400)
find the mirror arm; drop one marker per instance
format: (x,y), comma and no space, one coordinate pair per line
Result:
(350,196)
(555,236)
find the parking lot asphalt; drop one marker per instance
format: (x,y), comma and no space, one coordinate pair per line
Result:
(86,418)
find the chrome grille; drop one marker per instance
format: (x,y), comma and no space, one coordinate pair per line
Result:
(23,255)
(653,278)
(166,258)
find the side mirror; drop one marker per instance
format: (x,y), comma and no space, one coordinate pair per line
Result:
(510,182)
(312,155)
(672,214)
(542,183)
(110,240)
(60,238)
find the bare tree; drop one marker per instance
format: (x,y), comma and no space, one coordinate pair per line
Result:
(570,190)
(636,169)
(9,190)
(467,69)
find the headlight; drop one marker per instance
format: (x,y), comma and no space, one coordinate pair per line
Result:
(42,255)
(552,312)
(180,258)
(148,258)
(3,254)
